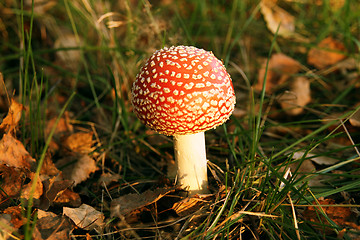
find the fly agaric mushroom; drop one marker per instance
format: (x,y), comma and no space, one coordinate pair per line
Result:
(183,91)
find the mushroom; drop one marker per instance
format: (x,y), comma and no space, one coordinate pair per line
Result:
(183,91)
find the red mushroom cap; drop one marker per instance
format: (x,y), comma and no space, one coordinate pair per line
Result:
(183,90)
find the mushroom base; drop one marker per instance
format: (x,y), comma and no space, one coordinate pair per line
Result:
(190,156)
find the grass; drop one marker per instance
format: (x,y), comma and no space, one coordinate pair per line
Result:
(249,158)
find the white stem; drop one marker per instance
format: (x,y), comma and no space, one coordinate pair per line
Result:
(190,157)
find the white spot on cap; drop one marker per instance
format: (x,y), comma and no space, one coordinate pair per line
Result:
(213,103)
(170,99)
(205,105)
(189,85)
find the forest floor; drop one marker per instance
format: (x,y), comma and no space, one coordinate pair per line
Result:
(76,163)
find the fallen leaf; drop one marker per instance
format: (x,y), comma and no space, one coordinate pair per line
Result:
(54,188)
(275,16)
(68,58)
(307,167)
(320,160)
(50,226)
(17,217)
(280,68)
(342,139)
(342,216)
(13,117)
(77,168)
(69,198)
(11,182)
(107,178)
(191,204)
(355,119)
(38,190)
(293,101)
(14,154)
(64,127)
(85,217)
(7,228)
(128,203)
(79,142)
(328,52)
(48,169)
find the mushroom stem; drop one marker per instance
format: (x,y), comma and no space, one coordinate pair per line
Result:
(190,157)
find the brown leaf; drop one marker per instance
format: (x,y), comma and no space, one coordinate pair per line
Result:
(11,183)
(299,96)
(355,119)
(79,142)
(48,168)
(14,154)
(280,68)
(26,190)
(77,168)
(327,52)
(69,198)
(7,228)
(108,178)
(342,216)
(53,189)
(63,127)
(191,204)
(16,213)
(275,16)
(85,217)
(13,117)
(50,226)
(126,204)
